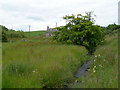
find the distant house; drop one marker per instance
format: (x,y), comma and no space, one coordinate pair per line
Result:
(50,31)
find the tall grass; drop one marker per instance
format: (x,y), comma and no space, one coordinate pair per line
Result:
(105,75)
(34,33)
(40,63)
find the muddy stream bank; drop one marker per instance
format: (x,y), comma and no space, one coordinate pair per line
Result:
(82,72)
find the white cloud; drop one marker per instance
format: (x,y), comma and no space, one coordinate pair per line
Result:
(18,14)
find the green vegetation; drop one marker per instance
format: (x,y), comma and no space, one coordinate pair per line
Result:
(40,63)
(4,37)
(80,31)
(36,61)
(15,34)
(10,33)
(111,28)
(3,28)
(34,33)
(106,63)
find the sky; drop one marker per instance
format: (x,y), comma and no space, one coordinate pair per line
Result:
(19,14)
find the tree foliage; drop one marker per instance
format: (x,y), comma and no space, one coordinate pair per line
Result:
(3,28)
(12,33)
(111,28)
(15,34)
(4,37)
(80,30)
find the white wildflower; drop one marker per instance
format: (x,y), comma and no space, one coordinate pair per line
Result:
(93,70)
(76,81)
(88,69)
(100,65)
(33,71)
(104,60)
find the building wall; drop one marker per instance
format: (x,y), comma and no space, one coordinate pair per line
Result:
(49,31)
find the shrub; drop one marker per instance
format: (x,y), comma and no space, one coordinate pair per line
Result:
(80,31)
(4,36)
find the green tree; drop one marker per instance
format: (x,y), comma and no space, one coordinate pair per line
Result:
(4,36)
(111,28)
(80,30)
(3,28)
(12,33)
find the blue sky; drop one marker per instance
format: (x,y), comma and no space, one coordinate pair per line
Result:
(18,14)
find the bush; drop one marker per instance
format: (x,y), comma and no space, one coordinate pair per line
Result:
(80,31)
(11,33)
(15,34)
(4,36)
(111,28)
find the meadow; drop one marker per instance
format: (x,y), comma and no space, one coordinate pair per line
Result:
(39,62)
(104,71)
(34,33)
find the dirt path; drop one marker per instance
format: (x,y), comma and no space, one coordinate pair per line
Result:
(81,73)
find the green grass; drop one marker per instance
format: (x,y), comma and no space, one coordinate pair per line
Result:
(39,63)
(106,62)
(34,33)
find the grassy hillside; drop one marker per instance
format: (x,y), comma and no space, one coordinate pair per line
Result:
(34,33)
(39,62)
(104,71)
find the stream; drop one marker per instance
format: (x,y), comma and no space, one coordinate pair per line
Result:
(82,72)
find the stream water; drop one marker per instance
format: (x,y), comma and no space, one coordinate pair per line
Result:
(81,73)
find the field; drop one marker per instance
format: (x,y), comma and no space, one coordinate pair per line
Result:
(40,62)
(34,33)
(105,75)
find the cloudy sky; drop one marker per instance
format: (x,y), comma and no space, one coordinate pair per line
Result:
(18,14)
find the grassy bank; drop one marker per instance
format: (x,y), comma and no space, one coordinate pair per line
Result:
(104,71)
(39,63)
(34,33)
